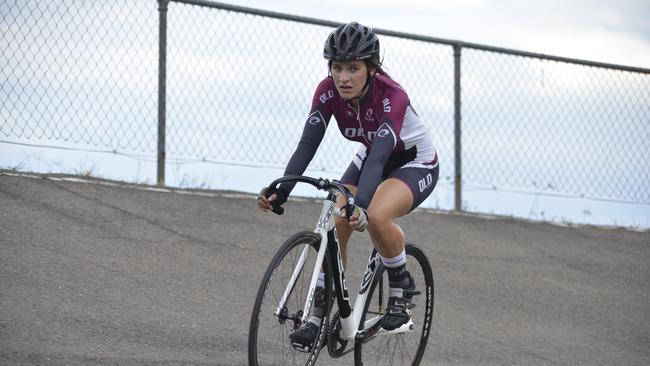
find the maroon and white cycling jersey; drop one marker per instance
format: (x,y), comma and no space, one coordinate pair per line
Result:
(391,133)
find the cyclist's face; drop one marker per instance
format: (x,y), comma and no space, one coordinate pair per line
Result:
(349,77)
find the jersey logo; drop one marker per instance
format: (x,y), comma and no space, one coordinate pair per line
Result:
(368,115)
(315,118)
(386,103)
(383,132)
(359,132)
(326,96)
(425,182)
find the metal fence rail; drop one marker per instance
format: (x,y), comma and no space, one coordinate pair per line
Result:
(205,81)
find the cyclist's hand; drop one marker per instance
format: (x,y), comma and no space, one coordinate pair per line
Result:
(359,219)
(266,202)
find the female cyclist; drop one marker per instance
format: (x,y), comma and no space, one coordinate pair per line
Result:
(393,171)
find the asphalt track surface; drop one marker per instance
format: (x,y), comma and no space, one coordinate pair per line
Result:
(104,273)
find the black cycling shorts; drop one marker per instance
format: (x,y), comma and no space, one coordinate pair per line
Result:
(421,179)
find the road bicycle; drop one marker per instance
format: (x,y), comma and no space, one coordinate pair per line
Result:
(285,297)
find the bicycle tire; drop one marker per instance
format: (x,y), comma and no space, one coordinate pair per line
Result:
(406,348)
(268,339)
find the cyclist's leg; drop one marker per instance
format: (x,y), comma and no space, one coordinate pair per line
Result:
(404,190)
(392,199)
(343,229)
(350,179)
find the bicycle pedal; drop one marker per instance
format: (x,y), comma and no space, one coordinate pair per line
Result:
(301,348)
(410,293)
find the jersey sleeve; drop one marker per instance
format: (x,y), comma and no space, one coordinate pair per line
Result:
(386,139)
(312,134)
(380,151)
(394,109)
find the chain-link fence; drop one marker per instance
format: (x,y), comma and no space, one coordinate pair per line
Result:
(563,127)
(80,72)
(242,92)
(239,85)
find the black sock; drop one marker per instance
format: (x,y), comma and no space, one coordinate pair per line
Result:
(319,302)
(398,277)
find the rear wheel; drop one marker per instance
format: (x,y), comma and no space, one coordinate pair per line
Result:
(405,348)
(268,339)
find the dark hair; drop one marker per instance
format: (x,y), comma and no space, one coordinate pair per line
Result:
(370,63)
(374,62)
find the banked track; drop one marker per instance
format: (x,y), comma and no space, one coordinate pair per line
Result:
(95,272)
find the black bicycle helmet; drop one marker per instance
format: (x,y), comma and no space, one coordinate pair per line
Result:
(351,41)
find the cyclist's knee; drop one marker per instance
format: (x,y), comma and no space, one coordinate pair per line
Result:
(378,220)
(341,223)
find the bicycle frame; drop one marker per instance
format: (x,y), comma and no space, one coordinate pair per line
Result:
(350,317)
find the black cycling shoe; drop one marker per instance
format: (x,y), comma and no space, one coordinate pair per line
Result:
(397,314)
(303,338)
(398,311)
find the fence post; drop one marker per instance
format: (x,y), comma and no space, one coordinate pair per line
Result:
(457,134)
(162,91)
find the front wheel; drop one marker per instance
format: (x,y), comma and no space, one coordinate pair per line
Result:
(268,338)
(405,348)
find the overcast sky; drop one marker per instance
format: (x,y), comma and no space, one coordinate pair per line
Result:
(613,31)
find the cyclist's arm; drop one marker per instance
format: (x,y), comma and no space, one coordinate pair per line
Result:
(381,149)
(385,142)
(312,135)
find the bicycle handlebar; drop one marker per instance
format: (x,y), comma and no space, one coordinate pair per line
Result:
(320,183)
